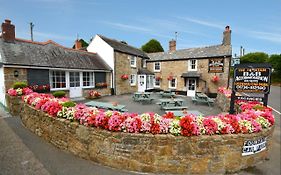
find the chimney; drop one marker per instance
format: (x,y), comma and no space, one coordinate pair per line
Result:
(172,45)
(8,31)
(78,44)
(226,36)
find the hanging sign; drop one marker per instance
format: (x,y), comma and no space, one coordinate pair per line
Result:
(248,98)
(252,79)
(253,146)
(216,65)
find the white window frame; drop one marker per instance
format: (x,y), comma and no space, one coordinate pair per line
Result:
(170,83)
(190,65)
(51,80)
(157,70)
(134,78)
(133,58)
(92,75)
(157,86)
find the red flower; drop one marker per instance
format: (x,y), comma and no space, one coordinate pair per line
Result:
(124,77)
(215,79)
(188,126)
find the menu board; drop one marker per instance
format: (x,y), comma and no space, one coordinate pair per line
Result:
(216,65)
(252,79)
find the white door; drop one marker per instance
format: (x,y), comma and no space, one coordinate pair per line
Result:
(191,87)
(141,83)
(75,89)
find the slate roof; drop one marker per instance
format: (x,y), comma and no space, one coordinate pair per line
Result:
(48,54)
(200,52)
(124,48)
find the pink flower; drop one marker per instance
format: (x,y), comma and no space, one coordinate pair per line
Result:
(12,92)
(210,125)
(115,122)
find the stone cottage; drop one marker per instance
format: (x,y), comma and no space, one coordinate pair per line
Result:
(186,71)
(48,63)
(128,64)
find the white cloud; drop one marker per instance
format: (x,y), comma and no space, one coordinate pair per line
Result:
(126,27)
(273,37)
(203,22)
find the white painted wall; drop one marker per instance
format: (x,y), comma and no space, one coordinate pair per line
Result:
(2,87)
(105,51)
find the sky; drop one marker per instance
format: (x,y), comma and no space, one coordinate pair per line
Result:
(255,24)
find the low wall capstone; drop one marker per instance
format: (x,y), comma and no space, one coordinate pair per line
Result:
(162,153)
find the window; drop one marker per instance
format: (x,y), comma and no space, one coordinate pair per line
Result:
(156,82)
(173,83)
(133,79)
(88,79)
(74,79)
(157,67)
(133,61)
(192,65)
(57,79)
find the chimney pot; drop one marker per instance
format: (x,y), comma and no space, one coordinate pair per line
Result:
(7,21)
(172,45)
(8,31)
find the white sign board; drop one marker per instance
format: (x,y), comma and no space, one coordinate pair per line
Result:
(253,146)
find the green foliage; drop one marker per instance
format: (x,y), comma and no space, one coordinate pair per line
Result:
(275,61)
(255,57)
(59,94)
(21,85)
(68,104)
(152,46)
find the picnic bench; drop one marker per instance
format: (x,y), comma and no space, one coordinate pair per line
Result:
(202,98)
(108,106)
(184,113)
(172,104)
(167,94)
(143,97)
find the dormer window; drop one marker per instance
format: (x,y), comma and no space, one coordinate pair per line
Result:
(133,61)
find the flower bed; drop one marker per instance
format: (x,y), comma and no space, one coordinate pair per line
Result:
(252,118)
(149,142)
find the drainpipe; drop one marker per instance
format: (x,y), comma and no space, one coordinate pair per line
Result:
(229,65)
(114,72)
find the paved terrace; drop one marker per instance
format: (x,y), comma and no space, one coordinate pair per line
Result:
(140,108)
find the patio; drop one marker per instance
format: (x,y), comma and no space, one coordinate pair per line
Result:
(134,106)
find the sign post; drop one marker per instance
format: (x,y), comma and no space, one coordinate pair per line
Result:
(251,78)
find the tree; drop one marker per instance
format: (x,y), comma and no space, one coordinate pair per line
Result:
(152,46)
(255,57)
(275,61)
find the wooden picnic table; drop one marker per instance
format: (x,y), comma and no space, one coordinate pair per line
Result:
(138,95)
(105,105)
(184,113)
(167,94)
(172,104)
(202,98)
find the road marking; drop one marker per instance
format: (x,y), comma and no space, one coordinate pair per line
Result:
(267,105)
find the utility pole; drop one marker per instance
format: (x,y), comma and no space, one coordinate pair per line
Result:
(31,30)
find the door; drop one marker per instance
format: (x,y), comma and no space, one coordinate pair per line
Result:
(141,83)
(75,89)
(191,87)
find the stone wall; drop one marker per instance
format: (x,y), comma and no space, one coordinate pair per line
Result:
(10,79)
(14,104)
(215,154)
(122,63)
(223,102)
(177,68)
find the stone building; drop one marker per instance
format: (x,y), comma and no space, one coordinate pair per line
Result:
(190,70)
(48,63)
(128,64)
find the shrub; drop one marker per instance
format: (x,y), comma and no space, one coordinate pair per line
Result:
(68,104)
(59,94)
(21,85)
